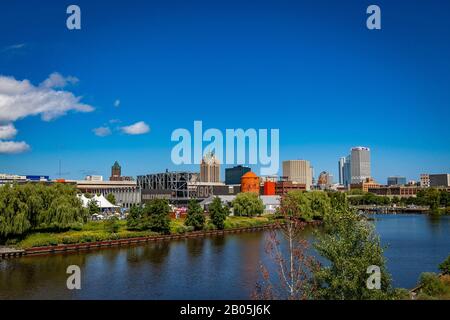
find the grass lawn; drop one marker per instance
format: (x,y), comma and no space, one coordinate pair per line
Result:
(95,231)
(90,232)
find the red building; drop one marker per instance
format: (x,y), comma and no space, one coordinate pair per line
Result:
(283,187)
(269,188)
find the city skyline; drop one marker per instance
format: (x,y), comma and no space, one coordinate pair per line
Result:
(328,85)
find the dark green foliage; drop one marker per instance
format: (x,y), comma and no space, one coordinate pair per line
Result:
(155,216)
(350,246)
(195,217)
(112,225)
(218,213)
(134,218)
(431,284)
(93,207)
(338,202)
(248,204)
(368,199)
(445,266)
(34,206)
(432,197)
(111,198)
(305,206)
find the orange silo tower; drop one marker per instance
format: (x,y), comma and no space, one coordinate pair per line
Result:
(250,183)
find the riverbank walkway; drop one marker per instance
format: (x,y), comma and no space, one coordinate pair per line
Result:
(6,252)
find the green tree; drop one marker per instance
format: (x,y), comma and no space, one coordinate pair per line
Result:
(444,198)
(431,286)
(218,213)
(247,204)
(338,202)
(195,217)
(112,225)
(111,198)
(134,218)
(445,266)
(155,216)
(295,204)
(35,206)
(320,204)
(93,207)
(305,206)
(350,246)
(395,200)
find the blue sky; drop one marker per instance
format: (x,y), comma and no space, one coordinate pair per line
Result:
(309,68)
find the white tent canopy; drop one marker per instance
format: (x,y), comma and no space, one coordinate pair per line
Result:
(84,200)
(101,201)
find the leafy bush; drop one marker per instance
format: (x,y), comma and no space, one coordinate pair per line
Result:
(180,229)
(112,225)
(195,217)
(218,213)
(431,285)
(445,266)
(248,204)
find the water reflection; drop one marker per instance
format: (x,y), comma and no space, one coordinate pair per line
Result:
(222,267)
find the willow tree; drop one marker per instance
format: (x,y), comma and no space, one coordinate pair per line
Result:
(33,206)
(247,204)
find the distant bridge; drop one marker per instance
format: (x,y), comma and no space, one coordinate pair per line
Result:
(389,209)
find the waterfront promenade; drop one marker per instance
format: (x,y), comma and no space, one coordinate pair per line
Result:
(6,252)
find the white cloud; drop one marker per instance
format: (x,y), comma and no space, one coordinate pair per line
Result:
(117,103)
(7,131)
(13,47)
(56,80)
(102,131)
(114,121)
(138,128)
(20,99)
(10,147)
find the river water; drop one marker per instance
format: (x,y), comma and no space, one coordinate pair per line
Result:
(225,267)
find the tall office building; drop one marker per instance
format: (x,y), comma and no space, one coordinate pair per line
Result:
(344,170)
(396,181)
(299,171)
(234,175)
(425,180)
(360,164)
(440,180)
(210,168)
(341,165)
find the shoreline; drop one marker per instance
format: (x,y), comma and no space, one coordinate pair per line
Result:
(95,245)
